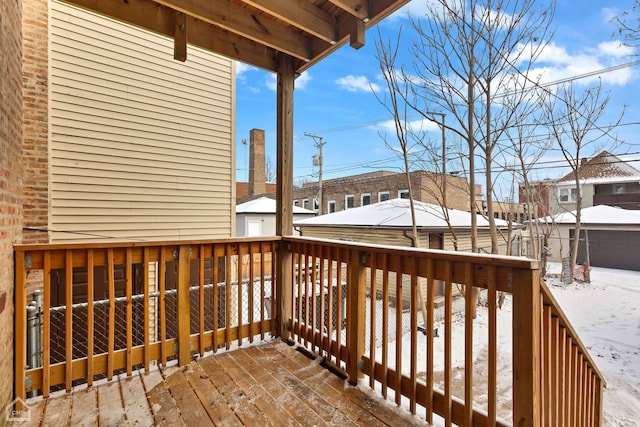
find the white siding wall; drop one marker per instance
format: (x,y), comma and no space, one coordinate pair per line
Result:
(141,144)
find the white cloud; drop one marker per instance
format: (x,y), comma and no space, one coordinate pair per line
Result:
(300,82)
(241,70)
(353,83)
(556,63)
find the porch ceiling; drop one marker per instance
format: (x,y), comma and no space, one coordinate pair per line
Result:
(253,31)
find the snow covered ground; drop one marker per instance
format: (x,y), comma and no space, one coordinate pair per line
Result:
(606,315)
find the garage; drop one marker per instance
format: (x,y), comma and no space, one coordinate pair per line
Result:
(609,235)
(610,248)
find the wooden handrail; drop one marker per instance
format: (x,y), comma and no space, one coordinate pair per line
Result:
(343,300)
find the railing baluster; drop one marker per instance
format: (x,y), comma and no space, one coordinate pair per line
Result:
(373,321)
(90,316)
(429,340)
(385,323)
(201,256)
(448,341)
(239,287)
(322,292)
(146,308)
(112,313)
(129,311)
(468,343)
(250,291)
(413,268)
(227,297)
(46,327)
(398,355)
(68,319)
(162,285)
(216,291)
(493,347)
(545,347)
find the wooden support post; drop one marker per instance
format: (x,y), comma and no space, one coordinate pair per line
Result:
(284,194)
(20,334)
(356,296)
(184,308)
(356,36)
(526,348)
(180,37)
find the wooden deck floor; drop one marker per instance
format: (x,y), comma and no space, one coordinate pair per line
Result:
(262,385)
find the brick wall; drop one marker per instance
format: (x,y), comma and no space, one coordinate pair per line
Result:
(425,185)
(10,182)
(35,73)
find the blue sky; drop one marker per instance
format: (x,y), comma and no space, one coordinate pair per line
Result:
(334,98)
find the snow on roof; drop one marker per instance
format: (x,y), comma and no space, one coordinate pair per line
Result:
(397,213)
(601,214)
(267,206)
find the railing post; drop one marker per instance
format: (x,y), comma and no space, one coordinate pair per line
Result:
(183,307)
(526,347)
(20,332)
(284,291)
(356,295)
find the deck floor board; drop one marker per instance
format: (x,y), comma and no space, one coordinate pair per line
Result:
(266,384)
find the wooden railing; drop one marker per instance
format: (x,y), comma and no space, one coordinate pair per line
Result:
(359,306)
(549,378)
(160,301)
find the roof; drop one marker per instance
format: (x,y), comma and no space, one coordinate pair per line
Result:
(601,214)
(605,166)
(266,205)
(253,31)
(397,213)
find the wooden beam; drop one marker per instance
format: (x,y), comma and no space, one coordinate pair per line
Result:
(159,19)
(180,37)
(357,8)
(356,36)
(243,22)
(301,14)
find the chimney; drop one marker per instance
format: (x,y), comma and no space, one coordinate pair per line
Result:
(583,161)
(256,162)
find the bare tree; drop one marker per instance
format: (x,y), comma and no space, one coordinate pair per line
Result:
(629,25)
(269,170)
(573,117)
(397,108)
(468,57)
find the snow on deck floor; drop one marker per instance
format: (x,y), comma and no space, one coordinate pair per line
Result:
(606,315)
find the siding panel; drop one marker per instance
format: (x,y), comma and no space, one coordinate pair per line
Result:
(141,145)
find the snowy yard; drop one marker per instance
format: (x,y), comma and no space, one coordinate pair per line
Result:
(606,315)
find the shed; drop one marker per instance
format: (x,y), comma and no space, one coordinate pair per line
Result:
(258,217)
(609,237)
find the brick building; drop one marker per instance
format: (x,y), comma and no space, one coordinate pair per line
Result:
(11,186)
(356,190)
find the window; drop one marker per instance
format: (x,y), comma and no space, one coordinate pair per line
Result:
(567,194)
(316,206)
(331,206)
(383,195)
(296,202)
(403,194)
(365,199)
(349,201)
(619,188)
(305,203)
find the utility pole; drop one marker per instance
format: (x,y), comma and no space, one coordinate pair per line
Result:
(317,161)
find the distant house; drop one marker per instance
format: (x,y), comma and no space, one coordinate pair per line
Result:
(258,217)
(604,180)
(389,222)
(609,237)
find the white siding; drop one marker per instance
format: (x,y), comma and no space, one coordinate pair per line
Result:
(141,144)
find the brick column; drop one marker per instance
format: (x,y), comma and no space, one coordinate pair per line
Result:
(10,182)
(35,74)
(256,163)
